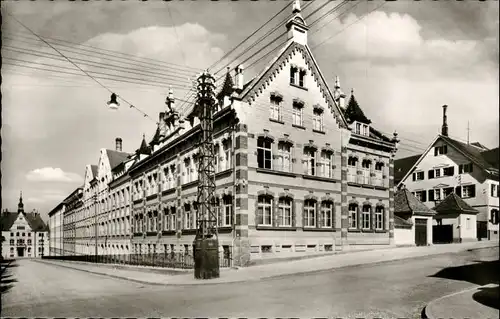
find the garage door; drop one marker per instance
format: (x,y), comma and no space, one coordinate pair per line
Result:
(421,232)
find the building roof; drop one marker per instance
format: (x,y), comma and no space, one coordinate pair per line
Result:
(116,157)
(492,157)
(354,113)
(94,170)
(479,145)
(402,223)
(406,202)
(454,204)
(144,148)
(34,221)
(403,165)
(227,86)
(472,152)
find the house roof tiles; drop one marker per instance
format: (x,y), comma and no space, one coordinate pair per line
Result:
(454,204)
(34,221)
(406,202)
(354,113)
(116,157)
(403,165)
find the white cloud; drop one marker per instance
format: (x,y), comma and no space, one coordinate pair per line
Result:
(50,174)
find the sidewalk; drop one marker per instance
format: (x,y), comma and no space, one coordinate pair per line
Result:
(461,305)
(284,268)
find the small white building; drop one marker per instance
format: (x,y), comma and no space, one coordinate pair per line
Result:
(456,220)
(412,220)
(24,234)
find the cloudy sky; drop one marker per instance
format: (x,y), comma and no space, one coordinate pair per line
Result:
(404,59)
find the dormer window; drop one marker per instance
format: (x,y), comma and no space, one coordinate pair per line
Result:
(361,129)
(297,76)
(440,150)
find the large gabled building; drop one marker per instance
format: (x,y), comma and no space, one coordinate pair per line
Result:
(301,173)
(451,166)
(25,234)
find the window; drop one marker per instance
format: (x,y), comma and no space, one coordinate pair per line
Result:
(275,108)
(284,156)
(421,196)
(217,158)
(285,211)
(468,191)
(465,168)
(379,217)
(358,128)
(293,74)
(24,234)
(297,114)
(264,210)
(440,150)
(225,215)
(447,191)
(188,222)
(264,154)
(326,164)
(187,170)
(352,161)
(366,164)
(494,191)
(20,227)
(12,242)
(318,119)
(494,217)
(173,219)
(226,145)
(29,241)
(17,234)
(11,234)
(418,176)
(366,131)
(353,216)
(302,78)
(311,160)
(365,216)
(379,166)
(449,171)
(434,194)
(309,213)
(326,214)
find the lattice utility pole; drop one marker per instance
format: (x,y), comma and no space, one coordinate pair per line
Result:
(206,253)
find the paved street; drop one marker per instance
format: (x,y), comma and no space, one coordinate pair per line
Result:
(395,289)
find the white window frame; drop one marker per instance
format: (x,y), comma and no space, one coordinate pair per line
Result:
(267,153)
(353,216)
(285,210)
(265,203)
(311,161)
(188,219)
(366,131)
(297,114)
(326,164)
(327,211)
(275,109)
(318,119)
(217,158)
(379,217)
(437,194)
(358,128)
(187,170)
(225,212)
(310,213)
(226,151)
(366,217)
(284,156)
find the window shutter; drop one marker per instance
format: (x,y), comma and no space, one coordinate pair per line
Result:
(435,151)
(424,196)
(431,195)
(445,149)
(472,192)
(460,169)
(458,191)
(414,176)
(452,170)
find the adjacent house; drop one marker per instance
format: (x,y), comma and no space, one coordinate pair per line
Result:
(448,166)
(25,234)
(456,220)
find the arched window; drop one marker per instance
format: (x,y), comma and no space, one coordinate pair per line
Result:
(352,161)
(379,217)
(379,166)
(309,213)
(326,216)
(264,210)
(366,217)
(285,212)
(353,216)
(264,152)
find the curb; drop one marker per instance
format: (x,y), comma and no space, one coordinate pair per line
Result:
(264,277)
(427,314)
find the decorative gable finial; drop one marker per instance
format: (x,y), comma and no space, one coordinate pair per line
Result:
(296,6)
(337,82)
(352,91)
(170,99)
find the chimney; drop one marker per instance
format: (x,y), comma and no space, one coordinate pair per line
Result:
(239,77)
(444,128)
(118,144)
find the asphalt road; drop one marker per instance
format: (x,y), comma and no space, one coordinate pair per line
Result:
(389,290)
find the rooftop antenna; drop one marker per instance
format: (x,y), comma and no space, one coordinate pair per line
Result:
(468,132)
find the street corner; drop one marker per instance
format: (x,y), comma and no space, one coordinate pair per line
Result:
(477,302)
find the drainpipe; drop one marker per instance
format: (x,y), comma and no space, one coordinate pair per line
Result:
(233,143)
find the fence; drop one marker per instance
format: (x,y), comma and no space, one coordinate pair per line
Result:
(168,260)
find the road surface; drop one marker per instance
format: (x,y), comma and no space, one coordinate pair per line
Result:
(394,289)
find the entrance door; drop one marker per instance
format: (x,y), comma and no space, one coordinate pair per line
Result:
(20,251)
(421,232)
